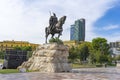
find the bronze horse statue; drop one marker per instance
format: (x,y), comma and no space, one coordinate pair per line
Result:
(57,29)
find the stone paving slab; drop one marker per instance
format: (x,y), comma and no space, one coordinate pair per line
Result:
(76,74)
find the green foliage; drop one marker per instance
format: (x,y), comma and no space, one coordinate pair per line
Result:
(97,57)
(103,58)
(100,53)
(1,60)
(99,65)
(6,71)
(92,58)
(9,71)
(83,52)
(118,58)
(56,40)
(77,65)
(101,45)
(73,53)
(110,59)
(96,52)
(2,53)
(98,43)
(25,48)
(80,52)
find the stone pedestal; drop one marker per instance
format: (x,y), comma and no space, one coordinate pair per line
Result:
(49,58)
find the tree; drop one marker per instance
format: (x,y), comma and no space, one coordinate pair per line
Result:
(25,48)
(92,58)
(118,57)
(2,53)
(83,52)
(100,50)
(101,45)
(73,53)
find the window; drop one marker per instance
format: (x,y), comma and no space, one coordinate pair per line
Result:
(1,45)
(11,45)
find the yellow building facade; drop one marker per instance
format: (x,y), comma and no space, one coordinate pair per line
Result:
(11,44)
(70,43)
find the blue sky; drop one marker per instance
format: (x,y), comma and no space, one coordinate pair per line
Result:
(111,17)
(25,20)
(109,24)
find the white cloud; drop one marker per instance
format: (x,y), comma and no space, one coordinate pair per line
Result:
(112,37)
(111,27)
(26,19)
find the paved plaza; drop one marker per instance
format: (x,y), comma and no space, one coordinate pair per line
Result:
(76,74)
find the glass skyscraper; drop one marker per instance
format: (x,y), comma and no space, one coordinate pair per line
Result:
(72,31)
(77,30)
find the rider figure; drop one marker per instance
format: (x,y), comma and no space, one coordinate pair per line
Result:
(53,21)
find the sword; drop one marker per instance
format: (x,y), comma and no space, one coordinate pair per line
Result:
(50,13)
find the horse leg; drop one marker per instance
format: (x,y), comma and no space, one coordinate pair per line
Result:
(46,31)
(52,36)
(46,38)
(59,34)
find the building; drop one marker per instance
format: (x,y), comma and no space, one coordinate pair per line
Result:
(14,58)
(115,47)
(11,44)
(115,44)
(70,43)
(77,30)
(72,31)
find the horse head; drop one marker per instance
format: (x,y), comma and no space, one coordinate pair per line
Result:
(62,19)
(61,22)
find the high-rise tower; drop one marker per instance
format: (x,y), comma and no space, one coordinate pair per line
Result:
(72,31)
(77,31)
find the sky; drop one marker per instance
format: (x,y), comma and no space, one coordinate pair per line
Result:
(25,20)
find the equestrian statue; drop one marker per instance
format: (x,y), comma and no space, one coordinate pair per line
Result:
(55,26)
